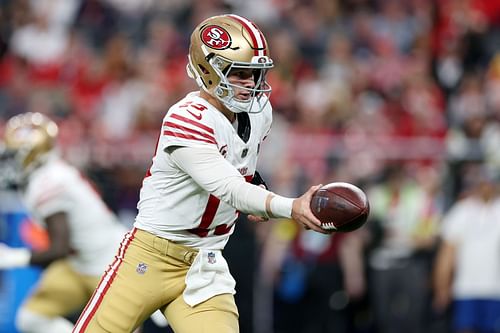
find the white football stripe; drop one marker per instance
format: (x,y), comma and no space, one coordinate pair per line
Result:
(250,27)
(100,292)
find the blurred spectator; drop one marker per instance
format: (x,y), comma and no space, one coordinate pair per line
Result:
(59,13)
(313,279)
(306,25)
(404,214)
(466,271)
(40,42)
(394,23)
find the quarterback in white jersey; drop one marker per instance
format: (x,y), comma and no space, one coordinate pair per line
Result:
(203,174)
(183,212)
(83,232)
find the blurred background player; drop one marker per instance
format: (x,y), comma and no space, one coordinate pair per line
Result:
(83,232)
(192,194)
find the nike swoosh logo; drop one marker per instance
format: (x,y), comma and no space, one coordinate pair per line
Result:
(197,116)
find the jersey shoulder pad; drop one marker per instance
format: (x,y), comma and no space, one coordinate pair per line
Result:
(189,122)
(48,191)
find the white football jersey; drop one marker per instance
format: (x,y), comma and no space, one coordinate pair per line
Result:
(172,205)
(95,233)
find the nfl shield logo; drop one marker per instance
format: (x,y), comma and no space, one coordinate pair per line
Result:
(141,268)
(211,258)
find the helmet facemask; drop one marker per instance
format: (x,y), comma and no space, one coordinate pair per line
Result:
(12,174)
(14,171)
(225,90)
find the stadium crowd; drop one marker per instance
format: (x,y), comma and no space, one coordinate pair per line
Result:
(398,96)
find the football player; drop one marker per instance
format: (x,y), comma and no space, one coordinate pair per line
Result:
(83,232)
(202,175)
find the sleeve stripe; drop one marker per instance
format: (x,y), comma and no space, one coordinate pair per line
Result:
(192,122)
(187,136)
(50,195)
(170,124)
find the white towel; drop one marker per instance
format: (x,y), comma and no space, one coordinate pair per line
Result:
(208,276)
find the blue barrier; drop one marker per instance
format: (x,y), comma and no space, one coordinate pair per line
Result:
(16,230)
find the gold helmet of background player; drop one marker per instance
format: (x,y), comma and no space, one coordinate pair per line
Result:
(30,137)
(224,43)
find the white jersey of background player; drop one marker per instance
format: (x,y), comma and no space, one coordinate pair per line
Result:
(83,232)
(94,231)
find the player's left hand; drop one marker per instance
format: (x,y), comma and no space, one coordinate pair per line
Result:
(13,257)
(254,218)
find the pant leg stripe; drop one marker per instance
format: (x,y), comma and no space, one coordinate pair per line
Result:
(104,284)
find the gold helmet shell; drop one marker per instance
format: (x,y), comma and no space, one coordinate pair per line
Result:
(31,136)
(225,42)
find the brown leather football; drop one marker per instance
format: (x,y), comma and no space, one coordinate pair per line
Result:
(341,207)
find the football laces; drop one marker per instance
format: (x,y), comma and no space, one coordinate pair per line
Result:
(329,226)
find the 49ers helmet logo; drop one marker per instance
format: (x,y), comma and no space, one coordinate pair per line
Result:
(215,37)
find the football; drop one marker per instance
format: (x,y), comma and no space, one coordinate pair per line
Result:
(341,207)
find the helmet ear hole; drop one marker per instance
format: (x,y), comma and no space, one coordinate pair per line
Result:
(203,69)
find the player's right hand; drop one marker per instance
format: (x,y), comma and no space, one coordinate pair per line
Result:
(302,214)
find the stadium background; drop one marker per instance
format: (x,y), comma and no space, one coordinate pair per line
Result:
(360,87)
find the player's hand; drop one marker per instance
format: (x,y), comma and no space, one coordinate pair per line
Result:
(302,214)
(13,257)
(255,218)
(441,301)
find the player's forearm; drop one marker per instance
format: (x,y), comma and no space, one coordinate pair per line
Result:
(218,177)
(253,199)
(45,258)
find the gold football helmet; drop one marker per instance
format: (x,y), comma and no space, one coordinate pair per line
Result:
(224,43)
(28,140)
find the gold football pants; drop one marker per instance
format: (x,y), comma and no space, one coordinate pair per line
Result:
(61,291)
(147,274)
